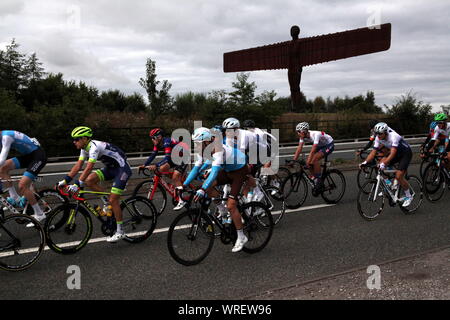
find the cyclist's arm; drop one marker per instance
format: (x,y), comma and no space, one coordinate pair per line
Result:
(212,176)
(6,143)
(151,157)
(74,171)
(372,155)
(369,144)
(87,171)
(298,151)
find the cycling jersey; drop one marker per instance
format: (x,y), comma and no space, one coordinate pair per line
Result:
(229,159)
(393,140)
(109,154)
(319,138)
(32,155)
(441,134)
(168,145)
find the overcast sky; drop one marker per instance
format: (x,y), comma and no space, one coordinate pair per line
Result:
(106,43)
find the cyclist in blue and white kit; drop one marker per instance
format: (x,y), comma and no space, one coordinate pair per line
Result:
(32,157)
(228,166)
(400,152)
(116,168)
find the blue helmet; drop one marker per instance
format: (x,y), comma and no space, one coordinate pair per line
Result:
(217,129)
(433,125)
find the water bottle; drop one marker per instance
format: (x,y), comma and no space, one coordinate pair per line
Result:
(395,185)
(98,209)
(388,182)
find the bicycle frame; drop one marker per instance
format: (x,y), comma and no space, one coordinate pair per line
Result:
(170,188)
(381,184)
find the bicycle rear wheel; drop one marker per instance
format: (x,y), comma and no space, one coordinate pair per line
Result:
(258,226)
(139,218)
(433,183)
(145,189)
(370,204)
(276,197)
(416,190)
(73,233)
(190,237)
(20,246)
(295,190)
(333,186)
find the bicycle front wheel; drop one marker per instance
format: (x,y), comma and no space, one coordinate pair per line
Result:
(20,246)
(276,197)
(139,218)
(433,183)
(370,204)
(365,174)
(258,226)
(333,186)
(190,237)
(294,190)
(68,229)
(145,189)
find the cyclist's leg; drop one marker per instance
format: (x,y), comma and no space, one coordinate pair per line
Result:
(120,181)
(177,177)
(9,165)
(92,181)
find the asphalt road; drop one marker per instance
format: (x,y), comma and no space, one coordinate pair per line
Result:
(307,244)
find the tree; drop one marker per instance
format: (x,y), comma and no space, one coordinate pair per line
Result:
(160,101)
(12,68)
(244,93)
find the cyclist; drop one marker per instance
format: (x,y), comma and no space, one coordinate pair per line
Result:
(229,166)
(323,145)
(246,142)
(400,152)
(372,137)
(441,134)
(264,140)
(32,157)
(168,145)
(116,168)
(428,143)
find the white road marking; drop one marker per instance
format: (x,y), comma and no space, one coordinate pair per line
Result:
(161,230)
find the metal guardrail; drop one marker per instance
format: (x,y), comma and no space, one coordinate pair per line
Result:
(282,145)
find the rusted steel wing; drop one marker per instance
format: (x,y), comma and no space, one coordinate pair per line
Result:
(309,51)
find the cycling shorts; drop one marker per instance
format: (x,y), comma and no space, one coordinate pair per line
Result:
(120,175)
(34,162)
(327,149)
(403,159)
(234,178)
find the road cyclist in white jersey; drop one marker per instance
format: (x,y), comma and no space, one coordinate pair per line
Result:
(32,157)
(228,166)
(265,141)
(116,168)
(323,145)
(399,152)
(246,142)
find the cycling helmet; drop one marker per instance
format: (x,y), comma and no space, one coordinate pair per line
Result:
(440,117)
(201,134)
(433,125)
(381,127)
(249,124)
(302,126)
(80,132)
(231,123)
(217,129)
(156,132)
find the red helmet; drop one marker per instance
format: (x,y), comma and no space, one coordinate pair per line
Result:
(156,132)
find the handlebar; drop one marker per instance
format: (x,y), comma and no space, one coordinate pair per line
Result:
(146,172)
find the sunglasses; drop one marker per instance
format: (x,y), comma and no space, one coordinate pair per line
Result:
(76,139)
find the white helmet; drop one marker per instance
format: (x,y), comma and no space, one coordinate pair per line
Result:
(201,134)
(381,127)
(302,126)
(231,123)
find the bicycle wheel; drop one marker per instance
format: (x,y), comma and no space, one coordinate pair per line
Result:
(423,166)
(48,200)
(295,190)
(139,218)
(145,189)
(371,204)
(72,235)
(416,190)
(20,247)
(333,186)
(433,183)
(276,197)
(365,174)
(190,237)
(258,226)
